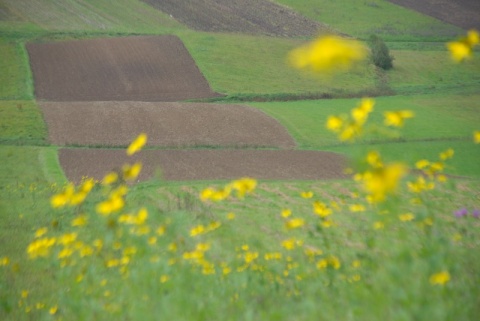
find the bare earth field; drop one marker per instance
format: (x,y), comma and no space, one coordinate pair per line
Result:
(246,16)
(462,13)
(150,68)
(181,165)
(166,124)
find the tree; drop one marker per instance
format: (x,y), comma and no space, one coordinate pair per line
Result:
(379,52)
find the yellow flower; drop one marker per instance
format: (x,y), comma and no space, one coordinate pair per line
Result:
(378,225)
(447,154)
(130,172)
(161,230)
(231,216)
(294,223)
(41,232)
(334,262)
(197,230)
(53,310)
(111,205)
(463,48)
(440,278)
(328,54)
(322,264)
(4,261)
(476,137)
(80,220)
(383,181)
(407,217)
(350,132)
(164,278)
(334,123)
(291,243)
(286,213)
(110,178)
(62,199)
(24,294)
(137,144)
(307,194)
(421,164)
(244,185)
(397,118)
(360,114)
(357,208)
(40,247)
(321,209)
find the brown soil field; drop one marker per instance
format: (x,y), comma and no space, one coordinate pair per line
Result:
(168,124)
(143,68)
(245,16)
(462,13)
(184,165)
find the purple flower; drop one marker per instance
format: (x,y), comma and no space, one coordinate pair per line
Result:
(476,213)
(461,212)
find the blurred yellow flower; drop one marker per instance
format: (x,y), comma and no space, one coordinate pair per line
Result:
(476,137)
(164,278)
(110,178)
(328,54)
(360,114)
(231,216)
(41,232)
(294,223)
(197,230)
(4,261)
(334,123)
(321,209)
(407,217)
(62,199)
(81,220)
(307,194)
(440,278)
(40,247)
(355,208)
(378,225)
(447,154)
(397,118)
(286,213)
(137,144)
(130,172)
(421,164)
(462,49)
(111,205)
(244,185)
(53,310)
(384,181)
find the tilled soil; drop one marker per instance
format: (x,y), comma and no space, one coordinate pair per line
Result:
(166,124)
(245,16)
(185,165)
(462,13)
(144,68)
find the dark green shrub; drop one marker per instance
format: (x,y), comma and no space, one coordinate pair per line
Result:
(379,52)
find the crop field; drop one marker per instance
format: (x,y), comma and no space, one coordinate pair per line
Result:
(171,160)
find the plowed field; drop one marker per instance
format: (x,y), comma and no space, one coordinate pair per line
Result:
(182,165)
(166,124)
(152,68)
(462,13)
(246,16)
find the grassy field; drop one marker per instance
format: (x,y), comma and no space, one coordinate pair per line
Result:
(360,262)
(364,18)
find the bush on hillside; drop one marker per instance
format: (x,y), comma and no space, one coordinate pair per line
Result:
(379,52)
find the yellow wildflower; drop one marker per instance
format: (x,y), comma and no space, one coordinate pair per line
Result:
(322,264)
(397,118)
(67,238)
(384,181)
(291,243)
(306,194)
(231,216)
(462,49)
(294,223)
(334,123)
(328,54)
(407,217)
(41,232)
(164,278)
(4,261)
(334,262)
(286,213)
(440,278)
(197,230)
(244,185)
(110,178)
(53,310)
(81,220)
(447,154)
(360,114)
(321,209)
(137,144)
(357,208)
(40,247)
(378,225)
(476,137)
(161,230)
(130,172)
(420,185)
(62,199)
(421,164)
(111,205)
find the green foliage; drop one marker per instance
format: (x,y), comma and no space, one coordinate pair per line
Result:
(380,54)
(21,122)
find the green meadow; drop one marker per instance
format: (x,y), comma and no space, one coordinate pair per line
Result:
(407,258)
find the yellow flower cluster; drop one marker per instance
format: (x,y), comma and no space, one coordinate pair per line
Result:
(397,118)
(462,49)
(72,196)
(137,144)
(440,278)
(242,186)
(476,137)
(348,128)
(202,229)
(329,54)
(380,180)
